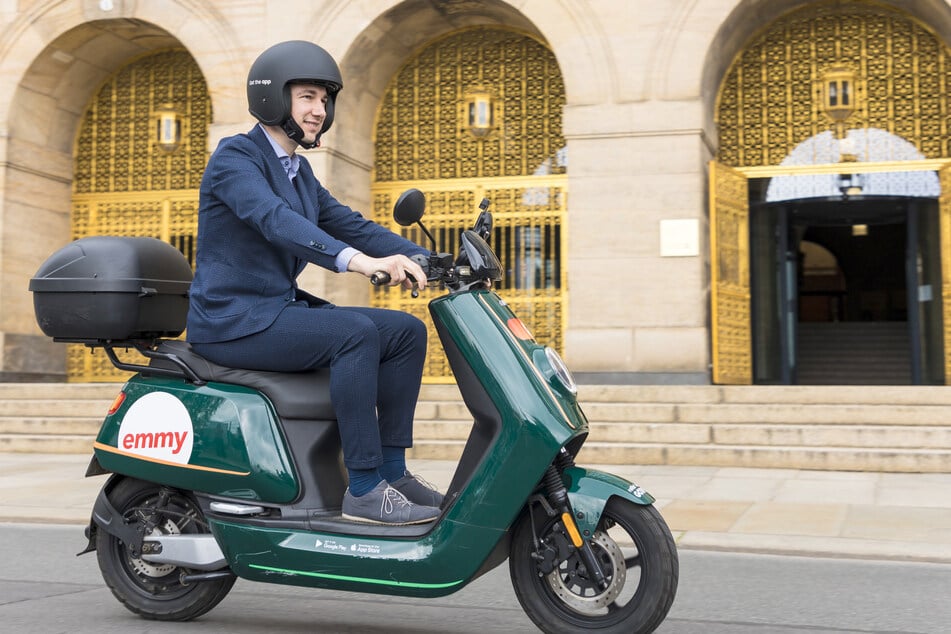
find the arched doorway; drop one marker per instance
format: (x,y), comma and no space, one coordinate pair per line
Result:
(833,131)
(478,114)
(138,160)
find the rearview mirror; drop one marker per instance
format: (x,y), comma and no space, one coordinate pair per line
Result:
(409,207)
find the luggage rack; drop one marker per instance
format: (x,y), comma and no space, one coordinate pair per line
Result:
(145,347)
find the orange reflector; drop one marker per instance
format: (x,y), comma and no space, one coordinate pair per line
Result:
(116,404)
(572,529)
(519,330)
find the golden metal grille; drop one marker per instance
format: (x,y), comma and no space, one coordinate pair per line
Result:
(944,223)
(422,141)
(420,134)
(730,284)
(124,183)
(527,238)
(771,98)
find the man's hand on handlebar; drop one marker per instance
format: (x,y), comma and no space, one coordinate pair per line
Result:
(400,269)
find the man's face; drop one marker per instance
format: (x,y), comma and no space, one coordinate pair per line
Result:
(309,109)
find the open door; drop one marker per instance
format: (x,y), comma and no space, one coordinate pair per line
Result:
(944,213)
(730,276)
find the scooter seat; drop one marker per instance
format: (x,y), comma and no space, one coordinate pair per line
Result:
(295,395)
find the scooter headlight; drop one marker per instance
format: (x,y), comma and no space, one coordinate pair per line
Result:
(561,370)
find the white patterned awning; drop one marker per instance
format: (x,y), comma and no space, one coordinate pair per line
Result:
(866,145)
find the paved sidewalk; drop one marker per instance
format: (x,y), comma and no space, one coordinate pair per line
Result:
(787,511)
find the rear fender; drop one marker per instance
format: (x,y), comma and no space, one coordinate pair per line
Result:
(589,491)
(107,518)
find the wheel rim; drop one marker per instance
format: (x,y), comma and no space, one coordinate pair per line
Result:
(580,593)
(152,580)
(618,549)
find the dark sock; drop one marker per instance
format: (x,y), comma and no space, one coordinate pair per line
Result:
(394,463)
(362,481)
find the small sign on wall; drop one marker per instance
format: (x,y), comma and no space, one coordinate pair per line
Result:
(679,238)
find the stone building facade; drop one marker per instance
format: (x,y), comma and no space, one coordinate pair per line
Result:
(644,120)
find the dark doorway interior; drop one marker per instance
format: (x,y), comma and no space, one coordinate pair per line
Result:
(846,291)
(853,326)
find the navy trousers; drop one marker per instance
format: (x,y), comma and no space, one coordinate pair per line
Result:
(375,357)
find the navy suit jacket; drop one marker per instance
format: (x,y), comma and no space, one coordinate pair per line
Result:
(256,232)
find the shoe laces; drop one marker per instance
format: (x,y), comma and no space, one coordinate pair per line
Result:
(392,499)
(426,483)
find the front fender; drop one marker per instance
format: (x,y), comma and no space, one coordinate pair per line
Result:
(589,491)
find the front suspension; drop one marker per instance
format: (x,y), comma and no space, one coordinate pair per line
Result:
(562,543)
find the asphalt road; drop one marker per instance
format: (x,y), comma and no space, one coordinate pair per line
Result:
(45,588)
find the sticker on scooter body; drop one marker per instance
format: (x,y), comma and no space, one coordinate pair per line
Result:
(157,426)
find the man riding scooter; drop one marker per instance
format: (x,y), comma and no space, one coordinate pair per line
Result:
(218,472)
(262,217)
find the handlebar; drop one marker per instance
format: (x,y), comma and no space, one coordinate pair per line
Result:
(380,278)
(438,267)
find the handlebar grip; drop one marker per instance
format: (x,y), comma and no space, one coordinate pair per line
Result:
(380,278)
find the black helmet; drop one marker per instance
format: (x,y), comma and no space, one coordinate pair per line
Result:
(297,61)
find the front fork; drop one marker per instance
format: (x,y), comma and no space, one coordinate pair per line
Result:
(577,497)
(558,499)
(561,545)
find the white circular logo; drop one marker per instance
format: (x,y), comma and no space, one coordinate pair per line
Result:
(157,426)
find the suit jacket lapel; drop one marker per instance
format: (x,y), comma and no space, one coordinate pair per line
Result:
(304,175)
(285,188)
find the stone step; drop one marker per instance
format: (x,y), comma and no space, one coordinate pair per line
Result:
(785,394)
(35,391)
(814,458)
(50,425)
(778,457)
(74,408)
(887,428)
(753,413)
(855,436)
(596,412)
(593,452)
(764,413)
(39,443)
(680,394)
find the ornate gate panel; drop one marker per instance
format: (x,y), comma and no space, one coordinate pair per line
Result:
(944,211)
(773,97)
(825,71)
(139,158)
(478,114)
(732,351)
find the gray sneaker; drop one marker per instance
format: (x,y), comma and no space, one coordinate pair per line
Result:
(385,505)
(417,490)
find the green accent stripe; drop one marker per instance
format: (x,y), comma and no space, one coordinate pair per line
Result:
(381,582)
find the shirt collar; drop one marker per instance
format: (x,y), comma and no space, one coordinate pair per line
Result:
(291,163)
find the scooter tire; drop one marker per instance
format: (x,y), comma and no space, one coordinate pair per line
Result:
(630,539)
(154,591)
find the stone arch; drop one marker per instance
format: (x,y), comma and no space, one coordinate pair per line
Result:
(769,99)
(80,46)
(55,57)
(372,47)
(737,29)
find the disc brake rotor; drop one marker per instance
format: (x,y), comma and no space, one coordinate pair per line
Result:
(153,570)
(579,592)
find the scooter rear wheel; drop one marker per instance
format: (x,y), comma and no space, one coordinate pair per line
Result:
(155,591)
(637,554)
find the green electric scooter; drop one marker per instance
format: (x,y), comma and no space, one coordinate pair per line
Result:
(219,473)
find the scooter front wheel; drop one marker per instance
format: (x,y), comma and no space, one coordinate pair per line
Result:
(155,591)
(637,554)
